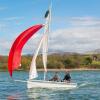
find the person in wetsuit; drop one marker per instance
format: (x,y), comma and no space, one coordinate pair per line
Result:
(67,77)
(55,77)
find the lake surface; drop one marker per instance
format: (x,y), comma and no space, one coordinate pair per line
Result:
(88,82)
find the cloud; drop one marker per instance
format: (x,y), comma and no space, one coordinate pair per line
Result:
(85,21)
(70,39)
(4,46)
(29,48)
(2,26)
(76,39)
(79,39)
(13,18)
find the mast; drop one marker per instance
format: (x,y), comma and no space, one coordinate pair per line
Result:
(45,41)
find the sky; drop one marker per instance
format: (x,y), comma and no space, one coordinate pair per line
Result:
(75,25)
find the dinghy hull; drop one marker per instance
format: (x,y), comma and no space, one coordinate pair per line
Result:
(50,84)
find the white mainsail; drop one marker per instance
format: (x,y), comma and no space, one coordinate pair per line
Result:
(45,41)
(33,72)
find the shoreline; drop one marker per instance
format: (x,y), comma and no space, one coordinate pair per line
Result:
(60,70)
(77,69)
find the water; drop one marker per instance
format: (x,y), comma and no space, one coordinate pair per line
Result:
(88,87)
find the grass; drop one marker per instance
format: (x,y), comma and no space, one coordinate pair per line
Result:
(96,62)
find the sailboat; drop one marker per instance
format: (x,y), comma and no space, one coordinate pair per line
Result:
(15,55)
(32,83)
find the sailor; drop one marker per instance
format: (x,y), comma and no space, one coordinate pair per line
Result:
(55,77)
(67,77)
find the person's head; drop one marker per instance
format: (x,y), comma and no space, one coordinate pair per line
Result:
(67,72)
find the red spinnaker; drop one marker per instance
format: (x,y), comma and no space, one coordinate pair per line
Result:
(14,59)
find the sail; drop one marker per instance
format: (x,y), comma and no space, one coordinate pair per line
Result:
(44,52)
(33,72)
(45,41)
(14,59)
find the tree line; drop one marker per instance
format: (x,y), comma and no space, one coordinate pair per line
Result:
(57,61)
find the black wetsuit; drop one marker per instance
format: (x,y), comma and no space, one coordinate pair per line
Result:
(67,77)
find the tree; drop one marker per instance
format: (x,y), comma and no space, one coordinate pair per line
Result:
(87,61)
(67,63)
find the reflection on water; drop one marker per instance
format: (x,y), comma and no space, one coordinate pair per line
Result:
(46,94)
(16,97)
(37,94)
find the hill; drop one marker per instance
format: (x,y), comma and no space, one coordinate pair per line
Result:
(96,51)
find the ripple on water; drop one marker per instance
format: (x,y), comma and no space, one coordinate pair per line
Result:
(13,90)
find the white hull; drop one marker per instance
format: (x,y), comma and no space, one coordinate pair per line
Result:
(50,84)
